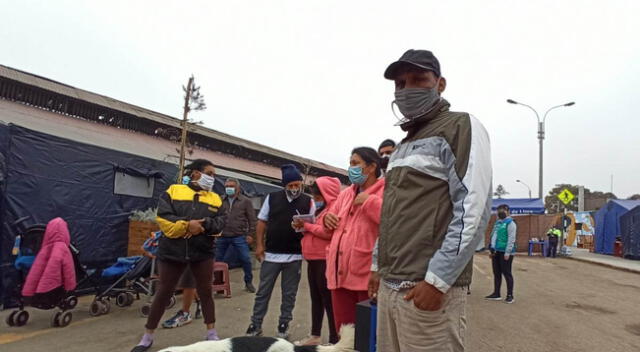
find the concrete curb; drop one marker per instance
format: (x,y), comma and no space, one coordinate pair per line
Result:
(630,270)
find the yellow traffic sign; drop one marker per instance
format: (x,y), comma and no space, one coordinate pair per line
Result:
(566,196)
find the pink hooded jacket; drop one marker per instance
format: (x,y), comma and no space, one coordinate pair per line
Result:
(353,241)
(53,266)
(316,237)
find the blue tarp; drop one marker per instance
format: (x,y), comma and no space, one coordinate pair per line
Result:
(630,228)
(520,205)
(608,223)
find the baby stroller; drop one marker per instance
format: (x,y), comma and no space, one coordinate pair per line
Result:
(26,247)
(134,278)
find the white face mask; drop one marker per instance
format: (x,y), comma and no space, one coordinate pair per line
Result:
(206,182)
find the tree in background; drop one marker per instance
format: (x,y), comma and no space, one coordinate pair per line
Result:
(593,200)
(500,191)
(634,197)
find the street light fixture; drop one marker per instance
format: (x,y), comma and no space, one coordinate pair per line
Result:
(525,186)
(540,135)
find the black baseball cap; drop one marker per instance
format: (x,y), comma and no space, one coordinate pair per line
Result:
(420,58)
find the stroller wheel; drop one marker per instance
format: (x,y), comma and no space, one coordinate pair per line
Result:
(145,310)
(21,318)
(122,299)
(106,306)
(71,302)
(130,298)
(172,302)
(10,318)
(65,319)
(55,319)
(95,308)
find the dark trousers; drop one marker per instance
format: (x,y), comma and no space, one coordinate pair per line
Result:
(242,247)
(170,273)
(320,299)
(553,246)
(269,272)
(502,268)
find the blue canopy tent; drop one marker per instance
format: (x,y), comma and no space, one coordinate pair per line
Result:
(630,227)
(608,223)
(520,205)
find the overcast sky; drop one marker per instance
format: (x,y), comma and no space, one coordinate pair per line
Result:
(306,76)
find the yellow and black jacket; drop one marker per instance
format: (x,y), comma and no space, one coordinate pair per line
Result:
(178,205)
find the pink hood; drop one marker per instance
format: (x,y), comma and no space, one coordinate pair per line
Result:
(53,266)
(316,237)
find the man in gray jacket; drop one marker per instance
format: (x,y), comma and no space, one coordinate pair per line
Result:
(240,229)
(437,203)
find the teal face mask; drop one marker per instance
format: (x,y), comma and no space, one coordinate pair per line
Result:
(355,175)
(230,191)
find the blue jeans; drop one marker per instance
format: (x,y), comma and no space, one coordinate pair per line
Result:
(241,246)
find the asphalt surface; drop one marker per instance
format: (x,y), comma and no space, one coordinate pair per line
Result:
(561,305)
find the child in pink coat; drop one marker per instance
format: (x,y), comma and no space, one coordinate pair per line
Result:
(314,249)
(354,219)
(53,270)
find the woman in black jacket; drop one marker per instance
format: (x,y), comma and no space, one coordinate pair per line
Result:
(190,218)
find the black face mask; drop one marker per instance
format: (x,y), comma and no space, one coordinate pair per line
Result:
(384,162)
(502,215)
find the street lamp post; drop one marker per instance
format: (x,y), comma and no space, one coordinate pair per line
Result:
(524,184)
(540,137)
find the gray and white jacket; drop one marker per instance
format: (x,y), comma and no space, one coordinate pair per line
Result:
(437,201)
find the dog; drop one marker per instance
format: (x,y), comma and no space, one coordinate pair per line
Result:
(268,344)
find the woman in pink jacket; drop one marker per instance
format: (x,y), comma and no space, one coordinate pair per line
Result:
(53,272)
(354,219)
(314,249)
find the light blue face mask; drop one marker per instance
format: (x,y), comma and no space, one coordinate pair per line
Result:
(230,191)
(186,180)
(355,175)
(319,204)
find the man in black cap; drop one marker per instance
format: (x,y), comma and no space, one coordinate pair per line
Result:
(437,203)
(282,250)
(386,148)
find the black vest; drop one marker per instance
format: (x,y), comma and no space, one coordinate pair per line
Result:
(281,237)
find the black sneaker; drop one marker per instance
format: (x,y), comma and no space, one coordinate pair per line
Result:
(250,288)
(283,331)
(493,297)
(509,299)
(254,330)
(141,348)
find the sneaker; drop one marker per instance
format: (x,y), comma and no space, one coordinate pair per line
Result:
(141,348)
(181,318)
(254,330)
(250,288)
(283,331)
(310,340)
(493,297)
(509,299)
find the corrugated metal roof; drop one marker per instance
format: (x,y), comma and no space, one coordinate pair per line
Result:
(64,89)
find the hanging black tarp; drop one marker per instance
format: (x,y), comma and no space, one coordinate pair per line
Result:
(93,188)
(48,176)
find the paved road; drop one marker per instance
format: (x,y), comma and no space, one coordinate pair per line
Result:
(561,305)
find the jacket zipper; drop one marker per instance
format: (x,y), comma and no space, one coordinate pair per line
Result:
(186,240)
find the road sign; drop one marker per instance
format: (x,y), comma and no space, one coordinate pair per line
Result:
(566,196)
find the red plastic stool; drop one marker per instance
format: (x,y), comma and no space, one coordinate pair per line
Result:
(221,269)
